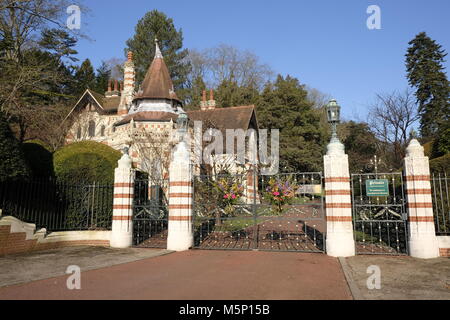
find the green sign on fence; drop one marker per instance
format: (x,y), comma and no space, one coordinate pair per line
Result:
(377,188)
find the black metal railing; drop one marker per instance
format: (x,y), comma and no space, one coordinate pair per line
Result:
(57,205)
(441,202)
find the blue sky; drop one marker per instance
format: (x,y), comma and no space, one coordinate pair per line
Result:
(324,43)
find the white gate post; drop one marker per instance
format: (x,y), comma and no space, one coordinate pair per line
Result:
(422,236)
(339,236)
(180,232)
(122,223)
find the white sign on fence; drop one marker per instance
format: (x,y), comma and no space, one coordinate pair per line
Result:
(309,188)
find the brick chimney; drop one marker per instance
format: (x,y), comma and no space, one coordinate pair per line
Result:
(128,85)
(115,92)
(203,103)
(108,93)
(211,101)
(129,77)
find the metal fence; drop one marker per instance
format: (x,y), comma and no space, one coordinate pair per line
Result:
(57,205)
(441,202)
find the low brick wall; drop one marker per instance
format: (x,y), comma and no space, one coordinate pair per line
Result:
(444,246)
(18,237)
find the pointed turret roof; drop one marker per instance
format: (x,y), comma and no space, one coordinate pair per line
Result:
(157,83)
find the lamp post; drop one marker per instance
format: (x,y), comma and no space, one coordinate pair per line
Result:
(182,124)
(333,116)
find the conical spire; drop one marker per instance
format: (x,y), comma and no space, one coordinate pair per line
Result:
(158,54)
(157,83)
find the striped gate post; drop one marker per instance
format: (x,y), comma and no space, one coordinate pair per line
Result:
(422,236)
(339,236)
(180,232)
(122,224)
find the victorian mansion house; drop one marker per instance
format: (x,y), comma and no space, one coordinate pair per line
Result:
(144,120)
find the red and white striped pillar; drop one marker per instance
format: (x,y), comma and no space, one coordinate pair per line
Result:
(339,237)
(180,231)
(122,224)
(422,236)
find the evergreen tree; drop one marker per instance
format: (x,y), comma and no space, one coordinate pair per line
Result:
(59,43)
(425,72)
(85,77)
(156,25)
(12,163)
(284,106)
(229,94)
(360,144)
(194,93)
(102,78)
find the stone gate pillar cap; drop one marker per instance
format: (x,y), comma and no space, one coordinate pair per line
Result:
(125,161)
(335,148)
(414,149)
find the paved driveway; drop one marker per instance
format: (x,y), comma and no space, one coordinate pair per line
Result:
(21,268)
(201,274)
(401,277)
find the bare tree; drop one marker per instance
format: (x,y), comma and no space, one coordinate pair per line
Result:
(391,118)
(227,63)
(27,66)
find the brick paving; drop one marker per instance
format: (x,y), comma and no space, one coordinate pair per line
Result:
(202,275)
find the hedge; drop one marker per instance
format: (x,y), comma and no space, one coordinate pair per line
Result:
(12,160)
(39,158)
(86,162)
(441,164)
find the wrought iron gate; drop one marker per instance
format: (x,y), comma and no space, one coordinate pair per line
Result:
(379,213)
(150,213)
(282,212)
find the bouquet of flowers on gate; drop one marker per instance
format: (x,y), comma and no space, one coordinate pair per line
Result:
(230,192)
(280,192)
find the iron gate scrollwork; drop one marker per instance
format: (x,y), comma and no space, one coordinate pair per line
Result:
(380,221)
(282,212)
(150,213)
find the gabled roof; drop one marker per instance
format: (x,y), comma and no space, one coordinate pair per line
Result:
(226,118)
(157,83)
(105,104)
(220,118)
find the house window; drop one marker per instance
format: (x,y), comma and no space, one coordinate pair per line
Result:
(79,133)
(91,128)
(102,131)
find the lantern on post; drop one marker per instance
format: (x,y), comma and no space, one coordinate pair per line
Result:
(333,115)
(182,123)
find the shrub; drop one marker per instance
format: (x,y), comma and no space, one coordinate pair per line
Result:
(441,164)
(86,161)
(280,192)
(12,160)
(427,148)
(39,158)
(441,145)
